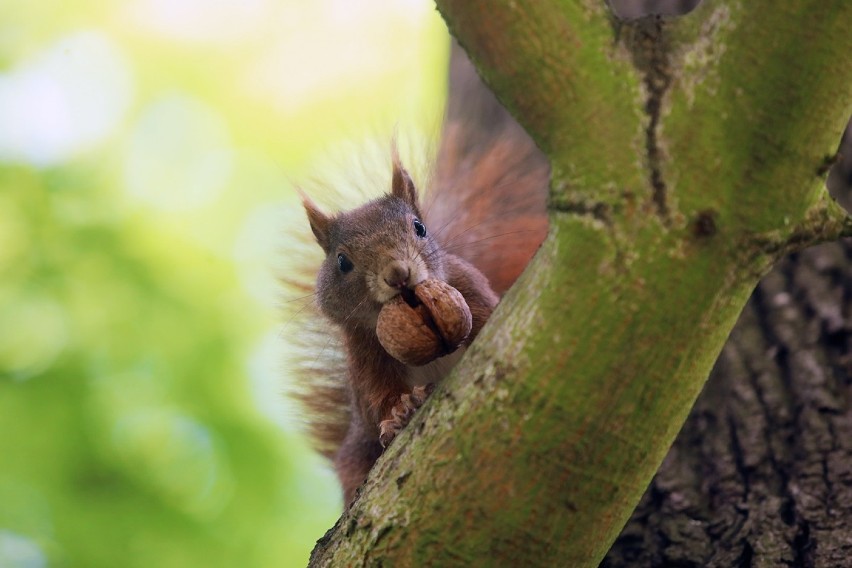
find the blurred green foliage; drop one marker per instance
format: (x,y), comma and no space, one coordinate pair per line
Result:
(147,150)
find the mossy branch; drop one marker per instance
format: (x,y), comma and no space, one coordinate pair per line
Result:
(685,156)
(566,80)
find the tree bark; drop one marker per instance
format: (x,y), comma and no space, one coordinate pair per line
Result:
(761,473)
(681,169)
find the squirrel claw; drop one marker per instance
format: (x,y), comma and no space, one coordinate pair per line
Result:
(402,412)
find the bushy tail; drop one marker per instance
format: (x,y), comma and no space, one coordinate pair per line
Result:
(488,196)
(315,358)
(486,204)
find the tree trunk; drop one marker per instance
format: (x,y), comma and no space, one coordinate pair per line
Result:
(681,170)
(761,473)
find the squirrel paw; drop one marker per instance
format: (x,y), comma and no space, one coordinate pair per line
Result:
(401,413)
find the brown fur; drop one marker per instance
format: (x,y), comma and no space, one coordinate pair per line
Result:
(490,186)
(374,236)
(485,218)
(319,364)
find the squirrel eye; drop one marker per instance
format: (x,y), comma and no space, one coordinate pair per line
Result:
(343,263)
(420,229)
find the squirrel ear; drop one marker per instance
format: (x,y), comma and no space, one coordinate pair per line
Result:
(318,220)
(401,184)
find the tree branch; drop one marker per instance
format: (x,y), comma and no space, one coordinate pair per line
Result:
(557,68)
(756,105)
(550,428)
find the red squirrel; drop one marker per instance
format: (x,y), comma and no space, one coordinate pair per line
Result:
(477,229)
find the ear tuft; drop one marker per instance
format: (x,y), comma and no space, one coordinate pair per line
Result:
(319,221)
(401,184)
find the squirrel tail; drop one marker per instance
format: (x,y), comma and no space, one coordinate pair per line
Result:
(316,359)
(488,193)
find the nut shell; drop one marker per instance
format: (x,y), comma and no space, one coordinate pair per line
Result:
(435,327)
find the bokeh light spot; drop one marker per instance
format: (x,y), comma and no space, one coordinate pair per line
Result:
(18,551)
(33,332)
(201,21)
(64,100)
(180,154)
(176,456)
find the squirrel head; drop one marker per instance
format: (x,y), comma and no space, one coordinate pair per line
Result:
(373,253)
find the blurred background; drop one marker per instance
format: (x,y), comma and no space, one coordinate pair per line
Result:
(149,151)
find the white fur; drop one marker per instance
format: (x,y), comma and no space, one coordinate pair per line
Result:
(435,371)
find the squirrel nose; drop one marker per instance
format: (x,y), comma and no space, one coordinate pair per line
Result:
(396,274)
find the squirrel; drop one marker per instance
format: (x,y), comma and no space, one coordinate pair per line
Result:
(476,230)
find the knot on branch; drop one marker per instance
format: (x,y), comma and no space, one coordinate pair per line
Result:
(704,225)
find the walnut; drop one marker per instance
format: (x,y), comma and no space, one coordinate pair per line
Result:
(420,327)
